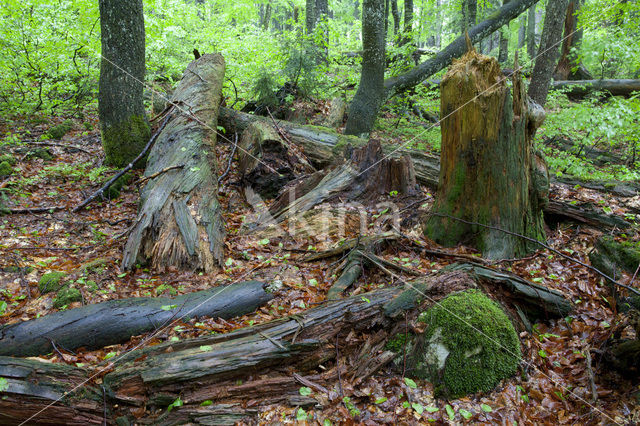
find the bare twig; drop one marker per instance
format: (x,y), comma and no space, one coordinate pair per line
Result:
(156,174)
(592,383)
(28,210)
(310,384)
(106,186)
(61,145)
(233,152)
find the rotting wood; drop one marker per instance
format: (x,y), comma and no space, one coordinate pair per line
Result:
(116,321)
(179,223)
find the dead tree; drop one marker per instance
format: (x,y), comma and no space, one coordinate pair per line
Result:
(179,221)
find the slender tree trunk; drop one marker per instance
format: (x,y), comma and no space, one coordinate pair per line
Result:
(310,17)
(548,52)
(364,107)
(322,22)
(469,14)
(123,124)
(477,129)
(503,54)
(569,66)
(531,31)
(396,16)
(522,31)
(267,17)
(438,24)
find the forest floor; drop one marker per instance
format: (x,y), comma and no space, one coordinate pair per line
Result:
(555,384)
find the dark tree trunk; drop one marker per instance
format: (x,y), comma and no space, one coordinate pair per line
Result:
(116,321)
(395,14)
(408,16)
(457,48)
(569,66)
(179,221)
(475,131)
(522,31)
(322,18)
(469,15)
(531,31)
(364,107)
(580,88)
(503,54)
(310,16)
(123,123)
(548,51)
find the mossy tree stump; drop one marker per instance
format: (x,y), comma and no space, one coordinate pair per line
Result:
(179,222)
(489,173)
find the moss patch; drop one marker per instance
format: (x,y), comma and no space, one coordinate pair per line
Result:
(123,142)
(57,132)
(5,168)
(67,295)
(469,346)
(51,281)
(8,158)
(113,191)
(610,256)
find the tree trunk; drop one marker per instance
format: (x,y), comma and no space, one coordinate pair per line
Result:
(116,321)
(469,15)
(395,14)
(548,52)
(179,222)
(123,124)
(569,66)
(310,16)
(368,99)
(322,23)
(531,31)
(522,31)
(457,48)
(476,130)
(503,54)
(580,88)
(243,368)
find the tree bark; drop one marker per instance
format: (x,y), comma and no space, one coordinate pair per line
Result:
(477,129)
(522,31)
(469,15)
(457,48)
(310,16)
(123,124)
(503,54)
(580,88)
(254,366)
(179,221)
(116,321)
(531,31)
(548,52)
(569,66)
(368,99)
(395,14)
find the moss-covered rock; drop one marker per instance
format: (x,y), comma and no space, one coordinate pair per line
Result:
(8,158)
(611,256)
(5,168)
(51,281)
(57,132)
(43,153)
(469,345)
(67,295)
(95,265)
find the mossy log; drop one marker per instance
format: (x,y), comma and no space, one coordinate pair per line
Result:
(483,121)
(581,88)
(116,321)
(250,367)
(179,222)
(324,147)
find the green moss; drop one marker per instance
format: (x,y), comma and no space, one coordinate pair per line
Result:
(469,346)
(67,295)
(8,158)
(95,265)
(123,142)
(51,281)
(87,125)
(57,132)
(397,343)
(5,168)
(91,286)
(113,191)
(40,153)
(611,255)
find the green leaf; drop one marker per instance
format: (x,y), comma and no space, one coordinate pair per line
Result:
(264,242)
(450,412)
(410,383)
(432,409)
(381,400)
(466,414)
(486,408)
(174,339)
(4,384)
(406,404)
(122,275)
(313,282)
(206,403)
(542,353)
(176,403)
(305,391)
(417,407)
(205,348)
(3,307)
(301,415)
(110,355)
(168,307)
(229,262)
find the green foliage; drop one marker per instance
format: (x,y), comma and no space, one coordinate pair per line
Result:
(479,341)
(5,168)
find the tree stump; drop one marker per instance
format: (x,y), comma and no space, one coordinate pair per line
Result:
(179,221)
(489,173)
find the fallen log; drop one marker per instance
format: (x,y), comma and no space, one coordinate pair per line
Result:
(250,367)
(179,221)
(324,147)
(581,88)
(116,321)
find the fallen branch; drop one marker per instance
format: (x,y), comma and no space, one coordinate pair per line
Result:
(61,145)
(28,210)
(158,173)
(129,166)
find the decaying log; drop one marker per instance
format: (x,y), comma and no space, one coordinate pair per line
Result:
(179,221)
(366,175)
(581,88)
(324,146)
(336,113)
(584,213)
(250,367)
(116,321)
